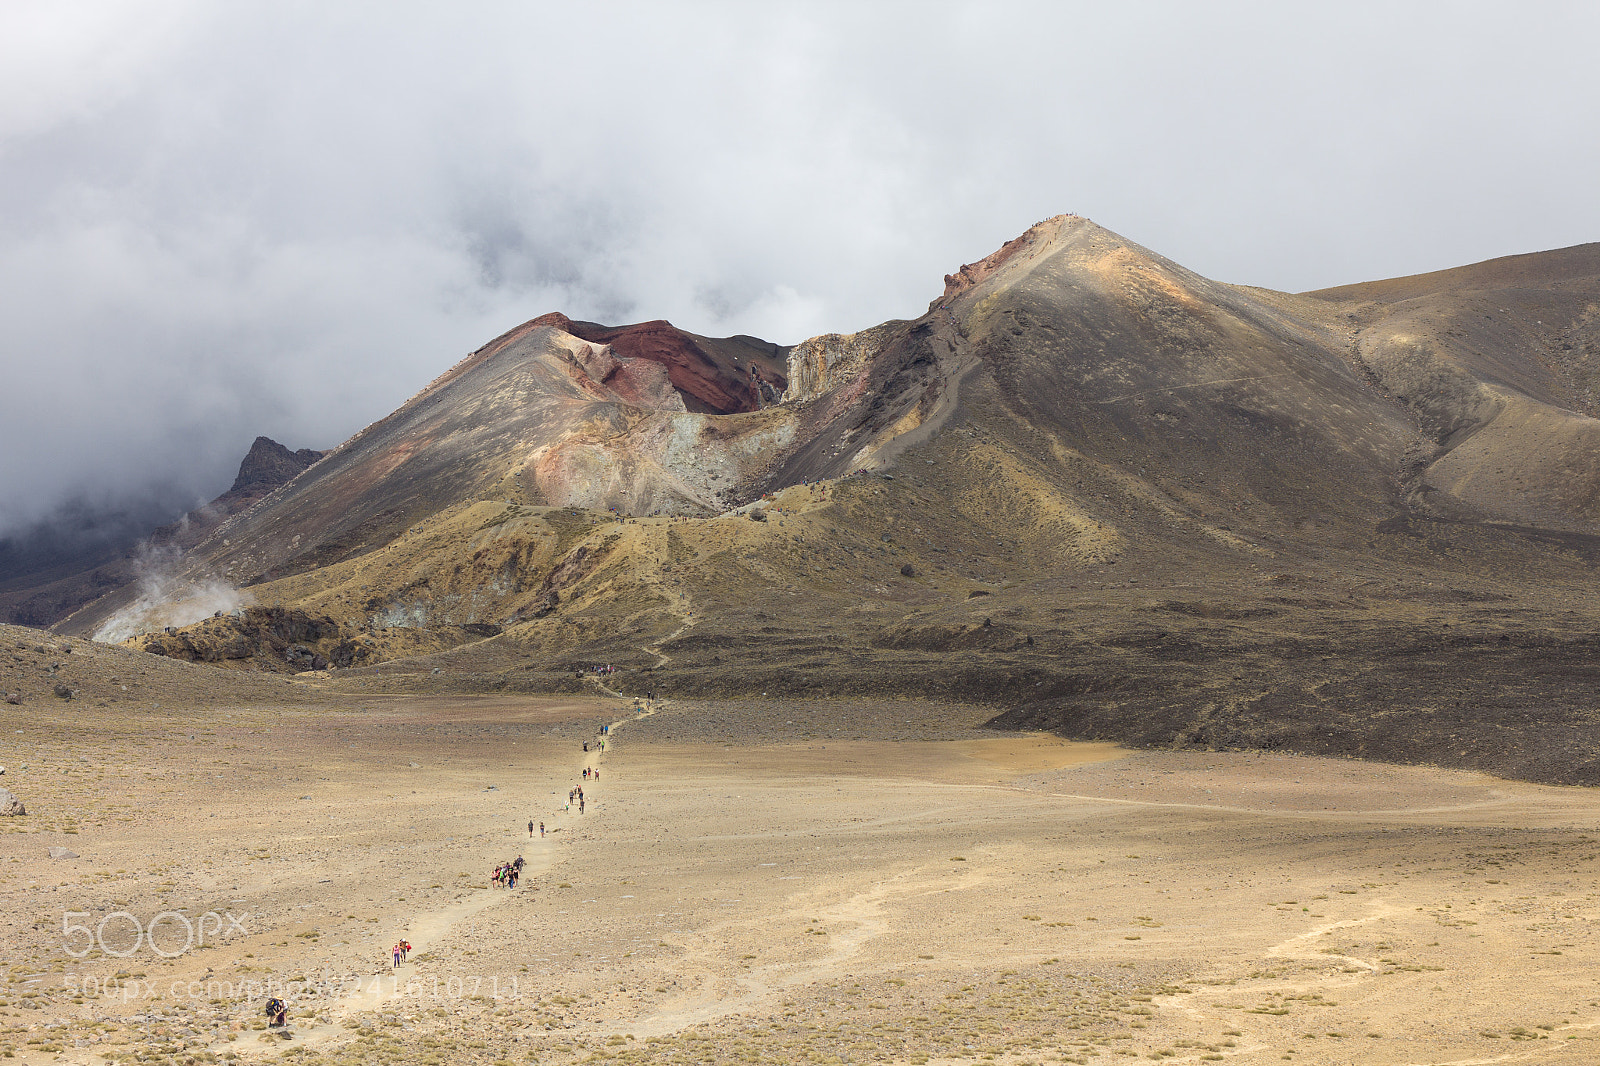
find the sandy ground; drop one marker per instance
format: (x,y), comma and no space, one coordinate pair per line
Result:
(762,882)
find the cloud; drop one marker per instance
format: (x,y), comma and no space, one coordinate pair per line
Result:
(224,220)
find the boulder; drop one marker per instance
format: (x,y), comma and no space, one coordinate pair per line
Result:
(62,692)
(13,697)
(305,658)
(63,853)
(10,806)
(758,515)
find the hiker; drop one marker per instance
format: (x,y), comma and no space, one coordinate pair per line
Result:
(405,950)
(530,829)
(586,746)
(541,830)
(277,1012)
(597,773)
(396,951)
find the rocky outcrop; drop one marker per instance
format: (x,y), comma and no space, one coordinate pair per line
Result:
(972,274)
(267,465)
(267,638)
(821,363)
(10,806)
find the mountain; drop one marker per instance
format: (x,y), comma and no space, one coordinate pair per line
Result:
(81,556)
(1088,488)
(265,466)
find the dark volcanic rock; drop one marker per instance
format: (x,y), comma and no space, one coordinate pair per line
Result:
(267,465)
(270,638)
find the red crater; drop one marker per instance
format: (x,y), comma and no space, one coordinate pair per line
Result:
(714,375)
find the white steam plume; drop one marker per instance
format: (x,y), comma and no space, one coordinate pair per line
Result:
(168,597)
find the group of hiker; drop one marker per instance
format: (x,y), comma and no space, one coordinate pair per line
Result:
(506,874)
(401,952)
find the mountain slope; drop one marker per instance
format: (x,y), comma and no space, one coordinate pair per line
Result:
(1500,364)
(1102,493)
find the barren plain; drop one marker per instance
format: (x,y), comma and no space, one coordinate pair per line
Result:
(766,881)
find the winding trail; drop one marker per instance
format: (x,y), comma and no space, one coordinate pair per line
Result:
(426,931)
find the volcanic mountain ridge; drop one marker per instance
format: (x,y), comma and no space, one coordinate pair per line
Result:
(1089,487)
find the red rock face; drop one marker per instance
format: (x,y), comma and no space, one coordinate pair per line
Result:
(972,273)
(719,376)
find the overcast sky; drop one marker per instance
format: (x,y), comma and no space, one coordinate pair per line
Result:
(224,219)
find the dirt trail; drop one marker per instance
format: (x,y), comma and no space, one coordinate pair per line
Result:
(654,647)
(428,931)
(955,363)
